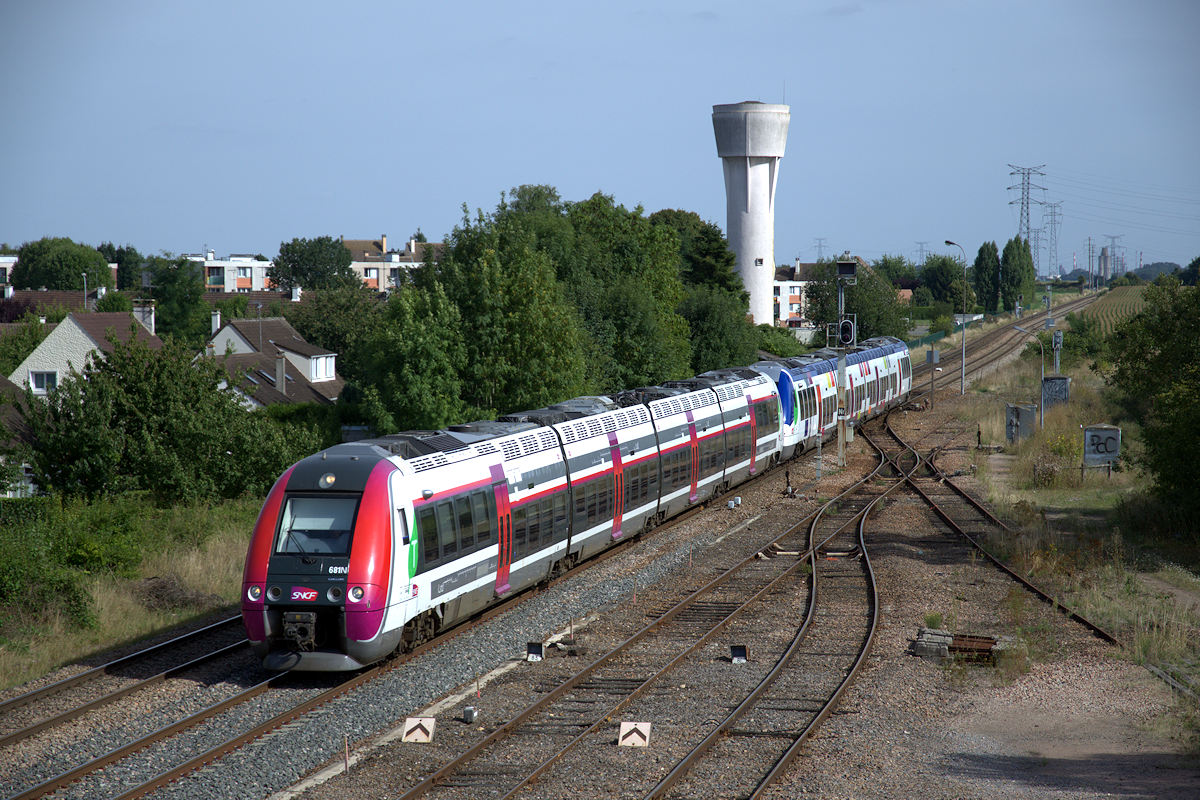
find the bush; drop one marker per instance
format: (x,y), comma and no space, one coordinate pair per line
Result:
(778,341)
(944,324)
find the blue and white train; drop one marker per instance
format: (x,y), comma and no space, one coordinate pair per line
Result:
(374,546)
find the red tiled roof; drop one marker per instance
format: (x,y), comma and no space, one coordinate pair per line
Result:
(98,326)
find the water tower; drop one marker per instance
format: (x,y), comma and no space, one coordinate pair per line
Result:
(751,137)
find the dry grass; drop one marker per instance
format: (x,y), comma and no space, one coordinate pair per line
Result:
(203,578)
(1069,539)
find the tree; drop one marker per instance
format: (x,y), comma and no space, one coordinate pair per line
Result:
(703,251)
(897,269)
(1191,274)
(320,263)
(115,301)
(523,346)
(939,274)
(1154,372)
(1017,277)
(873,299)
(134,418)
(987,277)
(617,250)
(177,286)
(16,345)
(129,263)
(59,263)
(722,334)
(414,362)
(343,320)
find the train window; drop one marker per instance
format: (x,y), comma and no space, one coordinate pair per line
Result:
(483,514)
(466,528)
(427,534)
(519,528)
(560,515)
(535,525)
(317,525)
(447,535)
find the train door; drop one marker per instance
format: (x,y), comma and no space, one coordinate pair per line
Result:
(694,451)
(614,450)
(503,528)
(753,434)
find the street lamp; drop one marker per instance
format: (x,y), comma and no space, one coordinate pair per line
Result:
(84,291)
(1042,385)
(962,381)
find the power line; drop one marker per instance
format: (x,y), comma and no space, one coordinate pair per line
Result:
(921,252)
(820,240)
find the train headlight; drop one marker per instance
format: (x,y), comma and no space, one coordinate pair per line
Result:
(254,593)
(274,593)
(356,593)
(334,594)
(327,480)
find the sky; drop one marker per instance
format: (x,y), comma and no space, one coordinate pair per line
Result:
(235,126)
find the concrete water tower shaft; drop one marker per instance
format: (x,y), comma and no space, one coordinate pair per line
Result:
(751,138)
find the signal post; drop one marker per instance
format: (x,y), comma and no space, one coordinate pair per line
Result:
(847,275)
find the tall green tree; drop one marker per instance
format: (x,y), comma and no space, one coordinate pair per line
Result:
(177,286)
(129,264)
(522,339)
(1017,279)
(617,250)
(703,251)
(722,333)
(415,360)
(1154,372)
(939,274)
(319,263)
(987,277)
(59,263)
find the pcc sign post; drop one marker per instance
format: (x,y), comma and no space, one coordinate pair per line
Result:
(1101,446)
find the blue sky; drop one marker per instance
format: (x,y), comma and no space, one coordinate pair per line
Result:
(237,125)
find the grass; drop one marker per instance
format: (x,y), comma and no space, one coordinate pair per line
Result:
(194,572)
(1083,537)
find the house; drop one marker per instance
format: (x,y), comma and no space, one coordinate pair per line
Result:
(274,361)
(239,273)
(381,268)
(68,346)
(790,289)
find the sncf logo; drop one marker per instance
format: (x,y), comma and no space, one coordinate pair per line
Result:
(303,593)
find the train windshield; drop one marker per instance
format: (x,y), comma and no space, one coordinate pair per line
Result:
(317,525)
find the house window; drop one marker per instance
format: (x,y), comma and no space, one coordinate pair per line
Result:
(43,382)
(328,368)
(370,273)
(243,272)
(3,274)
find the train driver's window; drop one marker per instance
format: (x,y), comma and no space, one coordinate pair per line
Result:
(317,525)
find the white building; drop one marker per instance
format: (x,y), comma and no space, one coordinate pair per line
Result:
(237,273)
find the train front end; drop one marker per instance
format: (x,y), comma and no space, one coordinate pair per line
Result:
(317,579)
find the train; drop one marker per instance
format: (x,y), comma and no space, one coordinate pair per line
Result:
(371,547)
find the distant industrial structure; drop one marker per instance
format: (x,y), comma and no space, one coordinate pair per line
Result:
(751,138)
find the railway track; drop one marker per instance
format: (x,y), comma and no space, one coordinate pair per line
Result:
(679,666)
(984,350)
(66,700)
